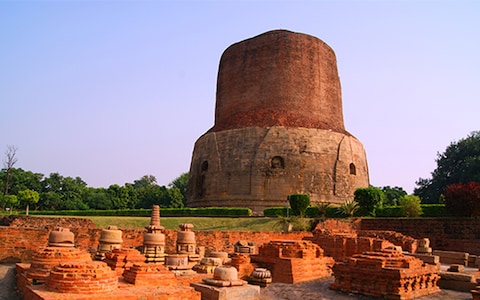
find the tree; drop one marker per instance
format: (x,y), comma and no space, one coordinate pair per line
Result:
(10,201)
(460,163)
(28,197)
(10,161)
(463,199)
(410,205)
(181,183)
(393,194)
(369,199)
(299,204)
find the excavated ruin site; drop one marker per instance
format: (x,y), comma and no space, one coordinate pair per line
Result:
(69,258)
(278,130)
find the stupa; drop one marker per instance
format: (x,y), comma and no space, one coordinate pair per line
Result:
(278,128)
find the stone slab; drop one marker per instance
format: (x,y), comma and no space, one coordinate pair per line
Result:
(452,257)
(245,292)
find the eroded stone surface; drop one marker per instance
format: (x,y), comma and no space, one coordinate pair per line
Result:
(278,128)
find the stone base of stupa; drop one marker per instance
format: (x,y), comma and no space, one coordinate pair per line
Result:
(243,292)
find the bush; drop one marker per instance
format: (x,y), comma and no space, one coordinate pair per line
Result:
(369,199)
(299,204)
(463,199)
(311,212)
(434,210)
(389,211)
(348,208)
(410,206)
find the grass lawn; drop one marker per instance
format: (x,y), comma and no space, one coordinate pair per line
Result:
(200,223)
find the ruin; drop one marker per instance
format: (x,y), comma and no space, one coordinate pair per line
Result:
(110,238)
(154,239)
(293,261)
(388,274)
(278,128)
(225,285)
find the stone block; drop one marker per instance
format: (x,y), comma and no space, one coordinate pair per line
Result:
(452,257)
(457,281)
(244,292)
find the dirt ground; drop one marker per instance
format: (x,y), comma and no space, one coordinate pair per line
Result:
(317,290)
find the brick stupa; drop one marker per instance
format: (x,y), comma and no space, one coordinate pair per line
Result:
(278,128)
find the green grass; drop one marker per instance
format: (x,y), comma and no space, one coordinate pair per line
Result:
(200,223)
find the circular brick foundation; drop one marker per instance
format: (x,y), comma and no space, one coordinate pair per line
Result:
(82,278)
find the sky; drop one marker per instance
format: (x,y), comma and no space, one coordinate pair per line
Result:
(110,91)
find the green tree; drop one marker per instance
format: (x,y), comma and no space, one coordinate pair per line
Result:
(181,183)
(97,198)
(61,193)
(173,198)
(393,194)
(28,197)
(10,201)
(460,163)
(369,199)
(299,203)
(410,205)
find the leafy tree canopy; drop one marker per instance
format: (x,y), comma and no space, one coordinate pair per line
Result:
(460,163)
(393,194)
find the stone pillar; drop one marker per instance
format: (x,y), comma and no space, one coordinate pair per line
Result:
(154,238)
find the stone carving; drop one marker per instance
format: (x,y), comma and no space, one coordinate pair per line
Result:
(207,265)
(245,247)
(61,237)
(278,128)
(424,246)
(261,277)
(110,238)
(387,274)
(225,285)
(154,239)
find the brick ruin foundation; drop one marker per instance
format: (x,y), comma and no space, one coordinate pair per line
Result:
(272,256)
(388,274)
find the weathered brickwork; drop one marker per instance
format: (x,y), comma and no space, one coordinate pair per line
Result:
(387,274)
(278,128)
(18,244)
(462,235)
(293,261)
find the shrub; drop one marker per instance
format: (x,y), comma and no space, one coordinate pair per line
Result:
(299,204)
(389,211)
(410,206)
(369,199)
(463,199)
(434,210)
(348,208)
(322,208)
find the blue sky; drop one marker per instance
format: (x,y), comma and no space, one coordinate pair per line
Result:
(113,90)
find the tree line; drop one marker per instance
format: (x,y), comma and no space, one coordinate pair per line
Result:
(55,192)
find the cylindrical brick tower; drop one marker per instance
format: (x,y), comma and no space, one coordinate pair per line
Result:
(278,128)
